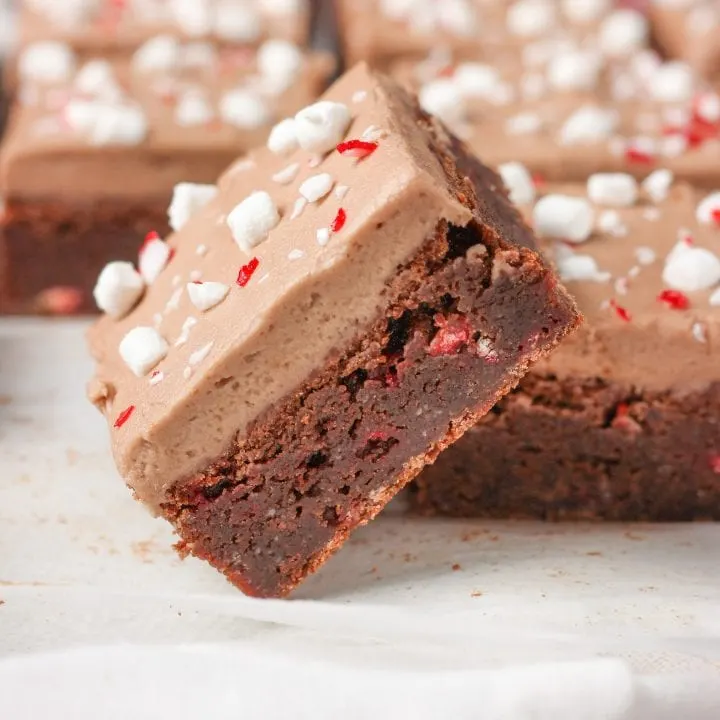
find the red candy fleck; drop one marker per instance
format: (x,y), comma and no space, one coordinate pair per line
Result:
(357,148)
(247,271)
(124,416)
(150,237)
(621,312)
(339,222)
(715,215)
(453,333)
(674,299)
(633,155)
(539,180)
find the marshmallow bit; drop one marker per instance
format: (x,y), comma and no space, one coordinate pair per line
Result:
(585,11)
(707,106)
(575,70)
(320,127)
(283,138)
(142,349)
(193,17)
(187,199)
(525,123)
(280,63)
(154,256)
(623,32)
(587,125)
(476,80)
(645,255)
(519,182)
(614,189)
(107,123)
(580,268)
(531,18)
(443,99)
(237,21)
(244,109)
(690,268)
(46,62)
(708,210)
(657,184)
(251,221)
(316,187)
(118,289)
(672,82)
(97,78)
(206,295)
(193,109)
(162,53)
(564,217)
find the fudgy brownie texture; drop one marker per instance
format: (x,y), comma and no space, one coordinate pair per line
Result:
(583,450)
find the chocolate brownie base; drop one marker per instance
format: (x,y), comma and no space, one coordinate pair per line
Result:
(53,250)
(583,449)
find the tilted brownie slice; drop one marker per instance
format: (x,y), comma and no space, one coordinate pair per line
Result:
(622,422)
(95,148)
(348,304)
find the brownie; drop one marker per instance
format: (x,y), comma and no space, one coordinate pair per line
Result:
(585,100)
(622,423)
(94,149)
(356,295)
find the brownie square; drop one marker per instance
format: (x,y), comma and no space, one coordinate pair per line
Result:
(622,422)
(355,296)
(94,150)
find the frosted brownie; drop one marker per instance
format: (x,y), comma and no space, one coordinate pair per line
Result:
(108,26)
(570,106)
(94,149)
(356,296)
(622,423)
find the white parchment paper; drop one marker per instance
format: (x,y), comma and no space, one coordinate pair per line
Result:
(413,618)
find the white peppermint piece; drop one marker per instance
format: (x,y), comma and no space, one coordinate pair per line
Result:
(199,355)
(672,81)
(576,70)
(106,123)
(519,182)
(690,268)
(657,184)
(46,62)
(623,32)
(708,207)
(477,80)
(251,221)
(707,107)
(341,191)
(531,18)
(244,109)
(564,217)
(287,174)
(193,17)
(614,189)
(118,289)
(296,254)
(161,53)
(317,187)
(298,208)
(283,138)
(526,123)
(645,255)
(154,256)
(237,21)
(193,109)
(673,146)
(206,295)
(577,267)
(610,222)
(320,127)
(715,298)
(279,63)
(359,96)
(585,11)
(443,99)
(189,323)
(322,236)
(187,199)
(142,349)
(97,78)
(588,125)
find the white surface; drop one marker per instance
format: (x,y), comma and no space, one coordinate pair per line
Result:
(539,621)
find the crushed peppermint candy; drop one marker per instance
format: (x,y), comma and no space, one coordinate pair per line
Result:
(206,295)
(296,254)
(298,207)
(339,222)
(154,256)
(357,148)
(316,187)
(645,255)
(699,332)
(287,174)
(199,355)
(156,377)
(322,236)
(620,311)
(610,222)
(142,348)
(657,185)
(341,191)
(689,268)
(708,210)
(124,416)
(189,323)
(247,271)
(674,299)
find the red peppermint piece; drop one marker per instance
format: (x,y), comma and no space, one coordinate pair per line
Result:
(339,222)
(633,155)
(674,299)
(124,416)
(357,148)
(538,180)
(453,334)
(150,237)
(715,215)
(620,311)
(247,271)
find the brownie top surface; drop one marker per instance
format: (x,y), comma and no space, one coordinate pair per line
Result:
(287,259)
(106,24)
(80,129)
(643,262)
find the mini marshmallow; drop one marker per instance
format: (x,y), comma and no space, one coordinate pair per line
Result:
(615,189)
(193,109)
(244,109)
(236,21)
(207,295)
(587,125)
(187,199)
(321,126)
(577,70)
(657,184)
(474,79)
(279,62)
(107,123)
(585,11)
(283,138)
(162,53)
(672,82)
(142,349)
(154,256)
(623,32)
(707,209)
(97,78)
(118,289)
(47,62)
(519,182)
(443,99)
(564,217)
(316,187)
(193,17)
(574,267)
(322,236)
(689,268)
(251,221)
(531,18)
